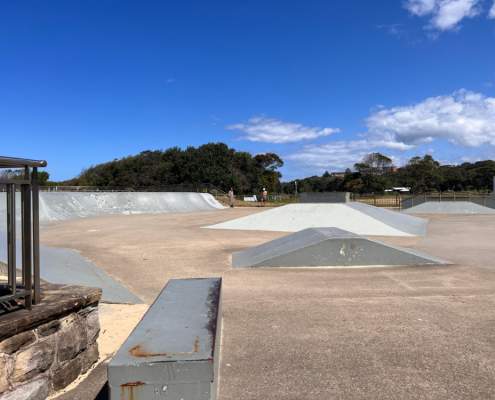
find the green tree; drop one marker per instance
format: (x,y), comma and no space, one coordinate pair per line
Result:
(211,163)
(422,174)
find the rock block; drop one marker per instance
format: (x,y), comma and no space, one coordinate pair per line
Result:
(89,357)
(35,390)
(4,372)
(34,360)
(66,373)
(93,325)
(14,343)
(72,338)
(49,328)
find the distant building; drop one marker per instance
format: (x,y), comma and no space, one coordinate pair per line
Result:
(338,174)
(399,189)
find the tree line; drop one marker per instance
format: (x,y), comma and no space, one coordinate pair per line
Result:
(212,164)
(376,173)
(223,167)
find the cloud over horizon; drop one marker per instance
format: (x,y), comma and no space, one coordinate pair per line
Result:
(492,11)
(271,130)
(444,15)
(340,154)
(463,118)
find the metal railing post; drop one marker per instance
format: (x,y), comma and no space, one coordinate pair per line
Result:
(11,246)
(29,207)
(26,240)
(36,236)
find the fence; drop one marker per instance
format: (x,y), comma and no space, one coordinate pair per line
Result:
(27,183)
(390,201)
(407,201)
(484,199)
(200,188)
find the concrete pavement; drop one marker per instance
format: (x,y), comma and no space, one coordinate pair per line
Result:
(382,333)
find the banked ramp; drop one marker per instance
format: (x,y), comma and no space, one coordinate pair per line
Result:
(329,247)
(59,206)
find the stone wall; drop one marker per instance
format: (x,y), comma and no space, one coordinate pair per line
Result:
(46,358)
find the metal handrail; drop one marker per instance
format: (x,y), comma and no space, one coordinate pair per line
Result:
(13,162)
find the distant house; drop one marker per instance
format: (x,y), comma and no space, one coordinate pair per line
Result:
(399,189)
(338,174)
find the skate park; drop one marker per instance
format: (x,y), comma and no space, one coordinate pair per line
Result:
(292,331)
(247,200)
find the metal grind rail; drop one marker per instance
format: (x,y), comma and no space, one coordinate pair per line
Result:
(26,182)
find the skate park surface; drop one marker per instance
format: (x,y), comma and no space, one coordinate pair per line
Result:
(66,266)
(423,332)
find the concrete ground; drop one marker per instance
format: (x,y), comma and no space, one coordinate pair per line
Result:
(371,333)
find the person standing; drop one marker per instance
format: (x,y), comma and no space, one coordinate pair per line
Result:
(264,197)
(231,197)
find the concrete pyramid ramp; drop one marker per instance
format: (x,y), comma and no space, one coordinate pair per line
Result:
(357,218)
(328,247)
(449,207)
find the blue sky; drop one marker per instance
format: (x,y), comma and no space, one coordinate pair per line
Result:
(321,83)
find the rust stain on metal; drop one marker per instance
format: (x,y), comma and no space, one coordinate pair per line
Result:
(133,384)
(138,351)
(127,390)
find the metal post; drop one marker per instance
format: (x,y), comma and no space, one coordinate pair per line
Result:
(28,185)
(11,246)
(36,236)
(26,240)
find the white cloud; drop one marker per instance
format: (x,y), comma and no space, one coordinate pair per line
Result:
(464,118)
(271,130)
(420,7)
(444,14)
(492,11)
(335,155)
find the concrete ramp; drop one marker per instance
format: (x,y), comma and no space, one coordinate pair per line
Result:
(449,207)
(59,206)
(68,267)
(328,247)
(357,218)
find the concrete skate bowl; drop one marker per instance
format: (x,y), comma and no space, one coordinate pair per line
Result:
(449,207)
(329,247)
(66,266)
(357,218)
